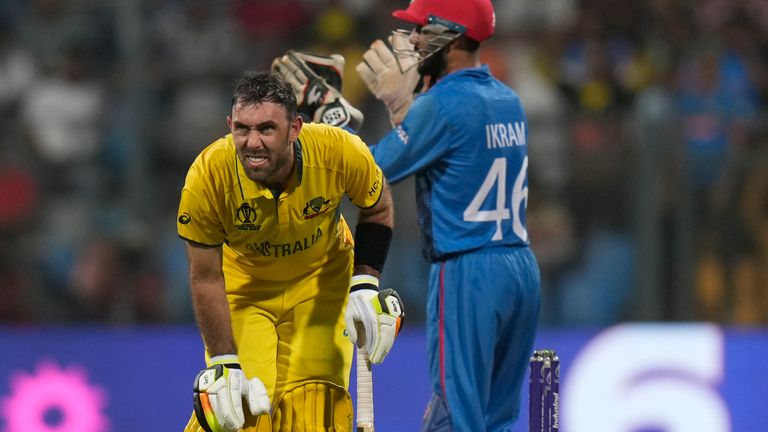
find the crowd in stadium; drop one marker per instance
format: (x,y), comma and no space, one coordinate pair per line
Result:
(649,155)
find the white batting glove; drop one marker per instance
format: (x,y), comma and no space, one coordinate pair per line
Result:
(373,318)
(219,393)
(382,74)
(316,79)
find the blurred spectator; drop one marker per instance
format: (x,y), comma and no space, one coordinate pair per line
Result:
(336,31)
(96,281)
(19,206)
(17,73)
(63,117)
(47,27)
(20,199)
(591,64)
(195,40)
(196,51)
(266,22)
(525,16)
(751,273)
(716,107)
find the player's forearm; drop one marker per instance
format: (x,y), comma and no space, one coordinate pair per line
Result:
(362,269)
(373,236)
(212,315)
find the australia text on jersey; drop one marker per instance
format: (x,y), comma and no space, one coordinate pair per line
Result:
(278,250)
(505,134)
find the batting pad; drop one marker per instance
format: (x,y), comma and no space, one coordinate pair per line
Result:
(314,406)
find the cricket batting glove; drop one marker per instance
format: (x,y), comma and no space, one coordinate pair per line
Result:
(219,393)
(317,80)
(373,318)
(381,70)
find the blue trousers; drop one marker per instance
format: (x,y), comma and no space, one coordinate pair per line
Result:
(482,317)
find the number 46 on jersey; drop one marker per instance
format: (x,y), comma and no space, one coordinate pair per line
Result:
(497,175)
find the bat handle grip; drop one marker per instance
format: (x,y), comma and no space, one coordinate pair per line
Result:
(364,392)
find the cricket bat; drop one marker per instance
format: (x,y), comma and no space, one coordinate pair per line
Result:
(364,392)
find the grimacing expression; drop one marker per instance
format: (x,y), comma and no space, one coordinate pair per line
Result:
(264,137)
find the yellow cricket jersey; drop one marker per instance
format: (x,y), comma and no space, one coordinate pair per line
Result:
(279,238)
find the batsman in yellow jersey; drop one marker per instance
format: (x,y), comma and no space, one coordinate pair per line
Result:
(278,281)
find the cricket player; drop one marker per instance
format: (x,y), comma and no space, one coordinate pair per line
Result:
(273,264)
(465,138)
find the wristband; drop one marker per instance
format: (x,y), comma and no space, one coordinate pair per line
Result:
(363,281)
(372,242)
(227,360)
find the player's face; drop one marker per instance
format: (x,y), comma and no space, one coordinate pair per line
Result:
(264,138)
(419,41)
(434,65)
(431,51)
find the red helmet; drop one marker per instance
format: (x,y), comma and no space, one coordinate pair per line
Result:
(474,18)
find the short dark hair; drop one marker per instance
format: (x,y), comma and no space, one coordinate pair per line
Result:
(467,44)
(257,87)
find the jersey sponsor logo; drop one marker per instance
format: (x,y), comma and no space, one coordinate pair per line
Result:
(246,215)
(401,134)
(185,218)
(376,185)
(315,207)
(374,188)
(280,250)
(500,135)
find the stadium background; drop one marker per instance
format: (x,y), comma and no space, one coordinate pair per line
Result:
(648,177)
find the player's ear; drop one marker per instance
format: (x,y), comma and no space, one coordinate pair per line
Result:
(454,44)
(229,122)
(296,125)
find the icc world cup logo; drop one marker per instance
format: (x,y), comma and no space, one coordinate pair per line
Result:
(246,214)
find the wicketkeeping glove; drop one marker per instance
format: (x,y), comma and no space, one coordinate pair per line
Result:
(317,81)
(383,75)
(377,314)
(219,393)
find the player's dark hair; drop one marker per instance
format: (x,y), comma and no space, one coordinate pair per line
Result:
(467,44)
(258,87)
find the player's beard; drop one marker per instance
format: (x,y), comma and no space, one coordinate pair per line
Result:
(273,173)
(434,65)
